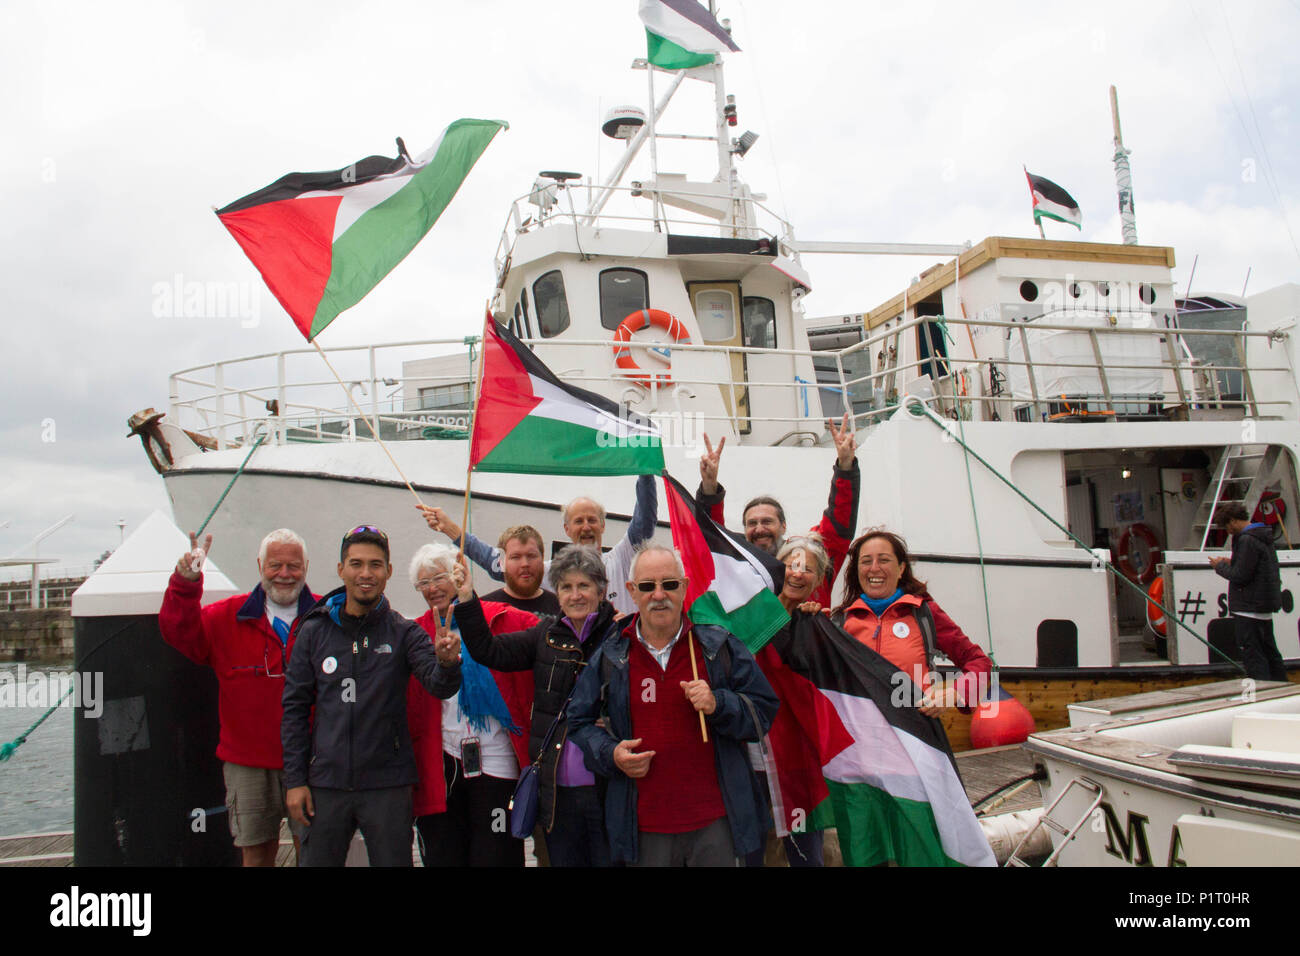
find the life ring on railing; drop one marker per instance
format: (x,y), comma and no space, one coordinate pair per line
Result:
(635,322)
(1128,561)
(1155,608)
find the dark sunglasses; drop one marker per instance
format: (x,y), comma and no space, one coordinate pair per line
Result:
(364,529)
(669,584)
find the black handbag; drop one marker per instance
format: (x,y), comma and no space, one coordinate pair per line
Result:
(524,801)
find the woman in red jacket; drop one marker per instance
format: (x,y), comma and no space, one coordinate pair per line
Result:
(884,606)
(469,749)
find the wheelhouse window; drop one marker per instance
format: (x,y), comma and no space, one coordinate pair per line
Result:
(446,396)
(759,323)
(521,313)
(622,292)
(551,303)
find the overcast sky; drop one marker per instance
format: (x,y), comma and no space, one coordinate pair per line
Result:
(125,123)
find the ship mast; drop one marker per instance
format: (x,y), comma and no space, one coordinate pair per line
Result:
(1123,178)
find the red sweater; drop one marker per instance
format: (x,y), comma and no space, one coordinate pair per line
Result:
(424,712)
(681,791)
(234,638)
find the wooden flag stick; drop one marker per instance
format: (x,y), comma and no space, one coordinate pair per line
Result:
(473,413)
(695,675)
(373,430)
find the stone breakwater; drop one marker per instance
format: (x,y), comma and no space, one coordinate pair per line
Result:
(36,637)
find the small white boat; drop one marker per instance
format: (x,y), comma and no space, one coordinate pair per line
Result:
(1195,776)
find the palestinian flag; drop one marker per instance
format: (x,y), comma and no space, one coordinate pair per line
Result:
(322,241)
(894,786)
(681,34)
(530,422)
(733,584)
(1053,202)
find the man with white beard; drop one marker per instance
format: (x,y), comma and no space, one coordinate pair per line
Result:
(246,640)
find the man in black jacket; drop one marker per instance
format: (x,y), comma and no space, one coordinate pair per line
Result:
(1254,591)
(352,660)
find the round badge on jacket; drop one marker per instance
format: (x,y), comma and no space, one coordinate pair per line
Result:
(901,629)
(329,665)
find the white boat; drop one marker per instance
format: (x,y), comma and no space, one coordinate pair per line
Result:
(1061,364)
(1199,776)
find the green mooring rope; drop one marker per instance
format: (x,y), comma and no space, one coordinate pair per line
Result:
(7,750)
(257,444)
(918,408)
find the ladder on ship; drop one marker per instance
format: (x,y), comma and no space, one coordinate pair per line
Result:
(1047,820)
(1241,477)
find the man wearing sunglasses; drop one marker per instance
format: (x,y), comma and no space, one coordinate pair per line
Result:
(245,640)
(349,764)
(680,791)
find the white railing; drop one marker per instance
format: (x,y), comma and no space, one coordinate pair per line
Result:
(527,216)
(231,402)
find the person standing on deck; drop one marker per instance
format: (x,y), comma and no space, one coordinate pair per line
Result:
(1254,591)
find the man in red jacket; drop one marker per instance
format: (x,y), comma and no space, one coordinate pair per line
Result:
(246,640)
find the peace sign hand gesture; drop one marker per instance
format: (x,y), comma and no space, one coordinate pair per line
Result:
(709,465)
(445,643)
(845,445)
(190,565)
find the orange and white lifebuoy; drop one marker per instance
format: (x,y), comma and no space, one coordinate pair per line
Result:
(1155,606)
(1125,557)
(635,322)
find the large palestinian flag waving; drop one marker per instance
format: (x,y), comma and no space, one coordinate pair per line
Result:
(893,783)
(733,584)
(682,33)
(528,421)
(323,240)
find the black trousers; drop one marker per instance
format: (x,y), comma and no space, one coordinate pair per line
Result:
(383,817)
(475,829)
(1259,654)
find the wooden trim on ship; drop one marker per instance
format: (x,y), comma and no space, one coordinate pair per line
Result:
(1048,698)
(1002,247)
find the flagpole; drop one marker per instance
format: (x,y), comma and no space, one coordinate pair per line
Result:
(473,418)
(695,675)
(373,431)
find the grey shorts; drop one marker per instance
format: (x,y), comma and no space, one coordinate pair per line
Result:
(254,803)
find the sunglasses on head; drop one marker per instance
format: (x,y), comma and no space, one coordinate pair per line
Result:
(668,584)
(362,528)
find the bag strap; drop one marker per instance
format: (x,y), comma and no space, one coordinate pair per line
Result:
(925,621)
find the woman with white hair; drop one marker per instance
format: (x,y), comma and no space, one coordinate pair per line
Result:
(570,807)
(469,749)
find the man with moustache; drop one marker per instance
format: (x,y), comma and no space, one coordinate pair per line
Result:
(348,764)
(584,523)
(764,519)
(245,639)
(674,798)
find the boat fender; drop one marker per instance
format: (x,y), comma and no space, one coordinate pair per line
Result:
(1155,609)
(635,322)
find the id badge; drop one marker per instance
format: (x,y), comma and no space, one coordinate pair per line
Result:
(471,757)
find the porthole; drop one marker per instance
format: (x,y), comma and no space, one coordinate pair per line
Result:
(1146,293)
(1028,291)
(1076,290)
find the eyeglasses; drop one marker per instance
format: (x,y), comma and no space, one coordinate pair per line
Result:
(266,664)
(436,581)
(668,584)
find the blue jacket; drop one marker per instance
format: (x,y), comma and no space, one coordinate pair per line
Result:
(357,737)
(730,725)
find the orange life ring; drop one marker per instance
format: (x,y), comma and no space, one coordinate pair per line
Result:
(1155,609)
(635,322)
(1125,556)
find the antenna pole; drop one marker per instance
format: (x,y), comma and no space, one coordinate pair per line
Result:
(1123,177)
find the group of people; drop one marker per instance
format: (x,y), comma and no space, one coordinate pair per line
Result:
(646,729)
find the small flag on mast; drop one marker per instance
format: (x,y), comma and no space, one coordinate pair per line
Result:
(1053,202)
(682,33)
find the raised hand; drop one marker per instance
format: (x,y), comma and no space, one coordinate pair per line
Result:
(709,465)
(190,565)
(446,643)
(845,444)
(437,520)
(463,580)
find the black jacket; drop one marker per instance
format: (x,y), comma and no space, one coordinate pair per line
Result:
(1254,581)
(551,650)
(357,680)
